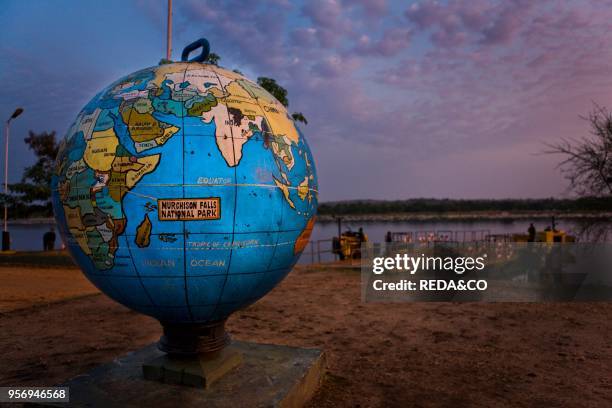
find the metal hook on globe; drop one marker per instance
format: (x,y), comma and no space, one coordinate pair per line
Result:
(200,43)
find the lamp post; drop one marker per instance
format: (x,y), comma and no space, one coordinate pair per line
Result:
(6,241)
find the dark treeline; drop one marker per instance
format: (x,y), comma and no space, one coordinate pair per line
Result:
(21,211)
(433,205)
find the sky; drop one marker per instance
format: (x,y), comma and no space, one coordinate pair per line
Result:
(404,99)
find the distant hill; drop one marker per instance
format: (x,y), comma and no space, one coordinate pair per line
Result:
(433,205)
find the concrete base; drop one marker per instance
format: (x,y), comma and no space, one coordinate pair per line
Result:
(268,376)
(194,371)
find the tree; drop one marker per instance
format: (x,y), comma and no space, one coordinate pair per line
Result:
(587,162)
(587,165)
(213,59)
(299,117)
(280,93)
(33,193)
(277,91)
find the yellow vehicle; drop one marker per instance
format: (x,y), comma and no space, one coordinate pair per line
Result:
(348,244)
(549,236)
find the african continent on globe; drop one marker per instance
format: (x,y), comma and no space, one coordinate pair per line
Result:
(185,192)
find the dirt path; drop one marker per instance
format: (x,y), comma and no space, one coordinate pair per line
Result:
(476,355)
(22,286)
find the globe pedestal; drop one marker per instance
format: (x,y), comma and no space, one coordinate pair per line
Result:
(192,339)
(269,376)
(197,355)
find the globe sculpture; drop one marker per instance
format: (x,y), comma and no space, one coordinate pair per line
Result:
(185,192)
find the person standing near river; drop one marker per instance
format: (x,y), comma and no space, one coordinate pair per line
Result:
(531,231)
(49,240)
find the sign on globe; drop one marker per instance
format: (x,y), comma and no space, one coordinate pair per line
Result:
(185,191)
(189,209)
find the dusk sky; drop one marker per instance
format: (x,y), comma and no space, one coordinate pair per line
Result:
(403,99)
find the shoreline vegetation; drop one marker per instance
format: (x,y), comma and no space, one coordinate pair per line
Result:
(428,209)
(467,216)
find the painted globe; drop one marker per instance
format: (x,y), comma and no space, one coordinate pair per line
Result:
(185,191)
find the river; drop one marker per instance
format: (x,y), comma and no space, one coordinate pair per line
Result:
(29,237)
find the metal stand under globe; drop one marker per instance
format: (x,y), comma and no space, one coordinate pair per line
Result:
(196,355)
(191,339)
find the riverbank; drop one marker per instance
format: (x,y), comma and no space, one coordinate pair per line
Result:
(37,259)
(379,355)
(468,216)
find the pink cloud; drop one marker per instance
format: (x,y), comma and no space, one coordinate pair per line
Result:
(542,73)
(226,22)
(445,80)
(304,37)
(334,66)
(330,21)
(392,42)
(508,22)
(371,8)
(455,22)
(323,13)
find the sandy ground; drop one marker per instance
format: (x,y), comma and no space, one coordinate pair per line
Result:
(379,355)
(26,286)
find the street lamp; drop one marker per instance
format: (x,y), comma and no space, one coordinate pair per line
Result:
(6,241)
